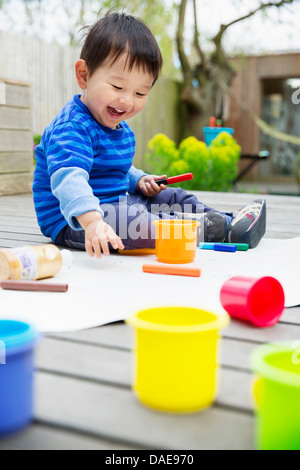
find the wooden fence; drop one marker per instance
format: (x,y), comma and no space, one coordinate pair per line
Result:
(49,69)
(16,156)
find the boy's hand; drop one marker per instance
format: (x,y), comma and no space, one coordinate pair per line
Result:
(148,187)
(97,234)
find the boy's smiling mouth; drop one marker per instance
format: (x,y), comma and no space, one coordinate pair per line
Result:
(116,112)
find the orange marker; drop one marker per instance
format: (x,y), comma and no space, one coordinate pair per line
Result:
(139,251)
(167,269)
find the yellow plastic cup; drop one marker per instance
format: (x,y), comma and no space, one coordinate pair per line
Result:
(175,240)
(175,357)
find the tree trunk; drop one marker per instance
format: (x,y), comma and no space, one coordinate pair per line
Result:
(200,104)
(195,124)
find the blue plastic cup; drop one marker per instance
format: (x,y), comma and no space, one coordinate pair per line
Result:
(210,133)
(17,342)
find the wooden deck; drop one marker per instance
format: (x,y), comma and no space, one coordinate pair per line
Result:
(83,379)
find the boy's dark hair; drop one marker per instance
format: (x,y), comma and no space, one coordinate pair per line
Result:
(117,33)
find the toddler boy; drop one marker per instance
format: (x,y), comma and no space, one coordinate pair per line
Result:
(87,193)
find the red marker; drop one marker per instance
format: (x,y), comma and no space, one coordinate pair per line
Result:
(176,179)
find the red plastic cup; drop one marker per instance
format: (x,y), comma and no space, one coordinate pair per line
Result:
(258,301)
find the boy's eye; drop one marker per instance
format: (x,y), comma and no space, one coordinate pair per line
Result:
(141,94)
(117,87)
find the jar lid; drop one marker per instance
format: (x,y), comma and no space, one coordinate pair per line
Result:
(15,334)
(5,258)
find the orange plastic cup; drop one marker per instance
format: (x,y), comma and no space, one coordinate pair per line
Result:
(176,240)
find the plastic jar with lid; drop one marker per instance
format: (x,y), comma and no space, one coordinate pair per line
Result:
(32,262)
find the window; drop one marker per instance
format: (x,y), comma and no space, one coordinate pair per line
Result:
(281,109)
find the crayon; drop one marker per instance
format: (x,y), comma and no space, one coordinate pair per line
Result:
(33,286)
(167,269)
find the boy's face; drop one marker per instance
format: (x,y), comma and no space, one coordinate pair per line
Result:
(113,93)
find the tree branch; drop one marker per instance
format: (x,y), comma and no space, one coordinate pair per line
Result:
(185,65)
(224,27)
(196,38)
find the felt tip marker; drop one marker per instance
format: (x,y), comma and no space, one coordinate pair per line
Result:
(176,179)
(167,269)
(139,251)
(221,247)
(210,246)
(33,286)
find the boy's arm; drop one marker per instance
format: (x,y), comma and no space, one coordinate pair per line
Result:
(82,211)
(98,234)
(134,176)
(70,186)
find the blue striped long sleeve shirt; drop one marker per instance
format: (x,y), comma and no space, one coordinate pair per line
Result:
(79,165)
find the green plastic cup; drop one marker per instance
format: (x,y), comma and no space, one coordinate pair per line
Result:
(277,396)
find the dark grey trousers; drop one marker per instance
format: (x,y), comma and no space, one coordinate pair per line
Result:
(132,217)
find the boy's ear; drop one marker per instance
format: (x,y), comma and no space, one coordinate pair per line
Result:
(81,73)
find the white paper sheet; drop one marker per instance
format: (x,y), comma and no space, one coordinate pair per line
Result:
(110,289)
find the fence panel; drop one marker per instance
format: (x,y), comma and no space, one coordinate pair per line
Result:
(49,68)
(16,156)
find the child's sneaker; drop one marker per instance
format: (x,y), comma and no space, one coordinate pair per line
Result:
(249,225)
(213,225)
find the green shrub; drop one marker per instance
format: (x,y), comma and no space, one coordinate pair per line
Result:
(214,167)
(37,139)
(163,154)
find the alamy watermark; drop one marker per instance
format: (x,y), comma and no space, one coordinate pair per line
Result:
(296,96)
(2,92)
(296,353)
(133,222)
(2,353)
(294,84)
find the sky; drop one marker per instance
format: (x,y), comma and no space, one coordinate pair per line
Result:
(279,31)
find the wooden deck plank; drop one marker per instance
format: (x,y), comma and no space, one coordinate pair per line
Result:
(17,221)
(18,228)
(18,236)
(279,332)
(119,335)
(105,365)
(114,365)
(114,413)
(114,368)
(44,437)
(9,243)
(83,380)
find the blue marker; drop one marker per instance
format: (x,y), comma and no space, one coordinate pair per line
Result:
(211,246)
(227,247)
